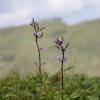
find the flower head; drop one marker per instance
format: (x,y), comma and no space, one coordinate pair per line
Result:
(43,49)
(65,59)
(37,34)
(55,41)
(62,39)
(58,57)
(59,41)
(68,43)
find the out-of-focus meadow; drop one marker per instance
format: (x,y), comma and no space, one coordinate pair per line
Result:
(18,50)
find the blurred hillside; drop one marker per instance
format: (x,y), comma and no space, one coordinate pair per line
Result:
(18,50)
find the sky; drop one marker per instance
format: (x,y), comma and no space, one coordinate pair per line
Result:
(17,12)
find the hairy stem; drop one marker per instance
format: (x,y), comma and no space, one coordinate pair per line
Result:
(40,72)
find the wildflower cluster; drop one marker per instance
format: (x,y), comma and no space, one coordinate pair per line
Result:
(38,31)
(62,58)
(59,44)
(38,34)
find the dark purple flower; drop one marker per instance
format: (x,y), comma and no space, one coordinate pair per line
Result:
(43,49)
(37,34)
(65,59)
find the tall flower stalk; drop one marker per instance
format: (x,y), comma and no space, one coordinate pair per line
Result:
(38,35)
(62,59)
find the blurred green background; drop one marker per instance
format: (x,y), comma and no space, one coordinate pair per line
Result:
(18,50)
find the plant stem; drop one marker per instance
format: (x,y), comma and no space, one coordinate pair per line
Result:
(62,78)
(40,72)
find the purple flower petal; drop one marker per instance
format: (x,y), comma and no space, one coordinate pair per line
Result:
(37,34)
(43,49)
(68,43)
(62,39)
(55,41)
(58,57)
(65,59)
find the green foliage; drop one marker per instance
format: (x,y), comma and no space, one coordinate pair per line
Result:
(77,87)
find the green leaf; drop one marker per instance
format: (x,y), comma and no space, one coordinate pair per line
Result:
(74,95)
